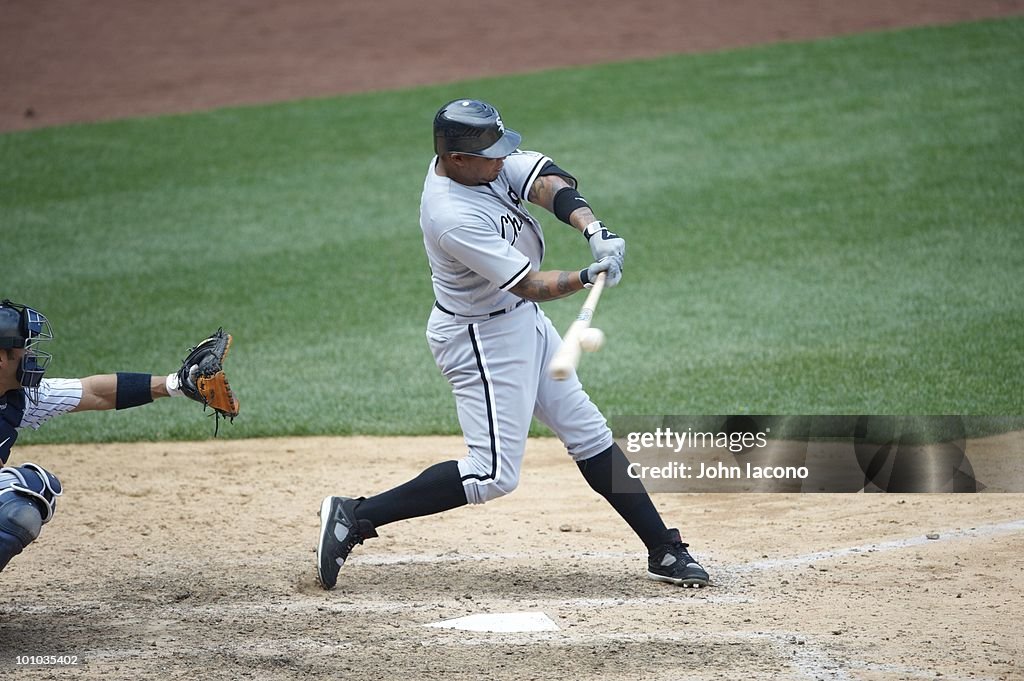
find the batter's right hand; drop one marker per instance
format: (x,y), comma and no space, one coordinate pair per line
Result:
(611,264)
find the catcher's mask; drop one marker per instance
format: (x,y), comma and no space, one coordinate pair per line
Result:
(23,327)
(470,126)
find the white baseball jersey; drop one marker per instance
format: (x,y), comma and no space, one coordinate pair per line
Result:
(56,396)
(492,346)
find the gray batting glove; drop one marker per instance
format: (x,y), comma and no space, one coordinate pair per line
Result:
(603,242)
(612,265)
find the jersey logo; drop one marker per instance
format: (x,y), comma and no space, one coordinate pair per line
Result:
(513,197)
(511,226)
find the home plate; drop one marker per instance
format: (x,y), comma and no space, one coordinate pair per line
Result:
(500,622)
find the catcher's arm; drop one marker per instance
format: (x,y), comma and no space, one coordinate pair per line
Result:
(201,378)
(99,392)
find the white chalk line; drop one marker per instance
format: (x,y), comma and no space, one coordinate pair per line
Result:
(812,661)
(414,559)
(771,564)
(894,544)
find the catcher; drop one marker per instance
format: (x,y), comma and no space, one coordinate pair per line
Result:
(28,493)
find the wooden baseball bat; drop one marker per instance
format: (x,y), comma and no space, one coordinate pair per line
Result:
(567,358)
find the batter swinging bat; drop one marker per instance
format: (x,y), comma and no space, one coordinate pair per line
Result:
(567,358)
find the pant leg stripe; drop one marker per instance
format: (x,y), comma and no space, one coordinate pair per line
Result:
(492,424)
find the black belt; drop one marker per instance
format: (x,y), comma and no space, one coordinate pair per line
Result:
(489,315)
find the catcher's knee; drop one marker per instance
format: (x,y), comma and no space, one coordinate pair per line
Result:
(28,499)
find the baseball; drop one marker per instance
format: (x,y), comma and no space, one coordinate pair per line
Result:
(592,340)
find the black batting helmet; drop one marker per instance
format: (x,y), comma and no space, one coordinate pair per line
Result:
(474,127)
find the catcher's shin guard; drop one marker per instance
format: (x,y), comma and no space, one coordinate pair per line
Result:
(28,499)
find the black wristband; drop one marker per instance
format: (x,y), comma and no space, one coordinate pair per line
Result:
(567,199)
(585,275)
(133,390)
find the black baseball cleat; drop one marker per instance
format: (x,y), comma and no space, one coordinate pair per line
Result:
(340,531)
(672,563)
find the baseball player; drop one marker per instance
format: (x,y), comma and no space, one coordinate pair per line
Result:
(28,493)
(493,343)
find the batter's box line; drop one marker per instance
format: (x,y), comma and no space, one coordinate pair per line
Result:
(976,532)
(414,559)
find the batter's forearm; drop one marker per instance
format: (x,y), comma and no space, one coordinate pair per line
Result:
(548,285)
(543,192)
(581,217)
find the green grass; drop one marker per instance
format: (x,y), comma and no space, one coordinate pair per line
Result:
(832,227)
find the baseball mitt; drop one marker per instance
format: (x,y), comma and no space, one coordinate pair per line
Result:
(202,378)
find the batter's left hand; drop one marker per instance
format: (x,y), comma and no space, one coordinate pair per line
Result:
(610,265)
(604,243)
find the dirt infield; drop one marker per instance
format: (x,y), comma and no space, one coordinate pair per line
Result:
(195,560)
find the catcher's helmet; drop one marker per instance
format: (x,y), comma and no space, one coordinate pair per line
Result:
(470,126)
(23,327)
